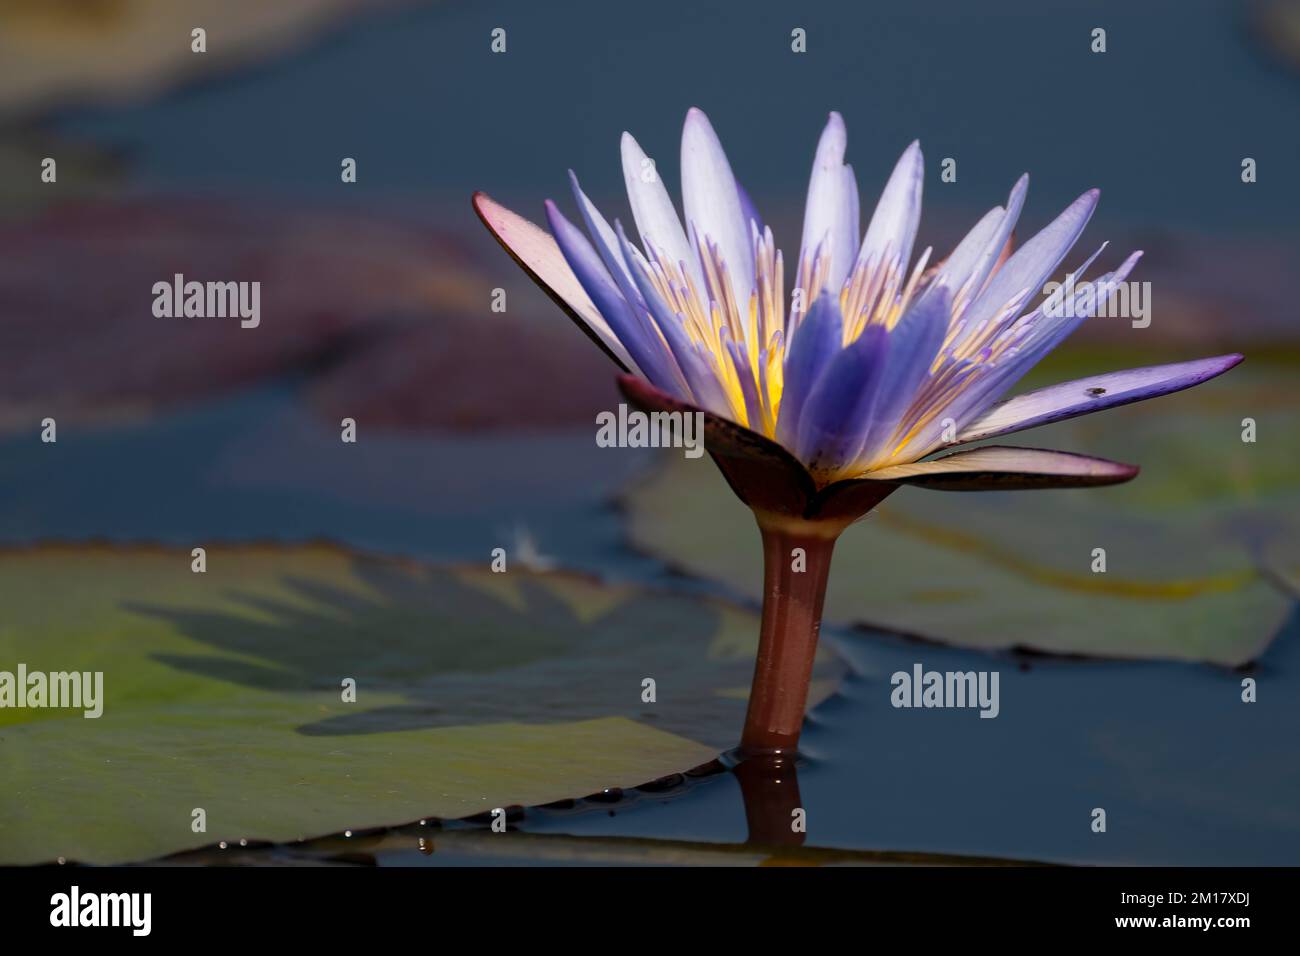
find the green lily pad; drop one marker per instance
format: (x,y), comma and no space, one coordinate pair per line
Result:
(1200,548)
(222,691)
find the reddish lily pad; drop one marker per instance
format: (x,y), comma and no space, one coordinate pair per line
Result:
(369,324)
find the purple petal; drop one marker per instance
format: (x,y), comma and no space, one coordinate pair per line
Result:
(913,344)
(961,264)
(712,202)
(818,338)
(831,211)
(1023,275)
(1002,468)
(1085,395)
(1046,332)
(605,242)
(987,261)
(702,383)
(1051,329)
(748,387)
(837,413)
(898,213)
(542,259)
(647,351)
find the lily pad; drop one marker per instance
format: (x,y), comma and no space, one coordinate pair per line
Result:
(1199,548)
(86,171)
(222,691)
(398,306)
(60,53)
(478,846)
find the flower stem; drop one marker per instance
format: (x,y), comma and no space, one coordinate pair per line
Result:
(794,587)
(769,785)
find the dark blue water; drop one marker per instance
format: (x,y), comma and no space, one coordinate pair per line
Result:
(1160,122)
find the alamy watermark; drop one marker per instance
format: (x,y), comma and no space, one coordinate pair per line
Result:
(632,428)
(922,688)
(75,690)
(1125,300)
(75,908)
(208,300)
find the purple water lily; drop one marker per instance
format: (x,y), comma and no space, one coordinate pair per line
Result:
(818,406)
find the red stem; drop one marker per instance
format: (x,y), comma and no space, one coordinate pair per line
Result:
(792,614)
(770,788)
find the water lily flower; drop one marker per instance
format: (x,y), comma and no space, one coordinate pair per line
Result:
(818,406)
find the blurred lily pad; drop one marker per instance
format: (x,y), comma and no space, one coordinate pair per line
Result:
(480,847)
(59,52)
(85,171)
(362,325)
(222,691)
(1199,549)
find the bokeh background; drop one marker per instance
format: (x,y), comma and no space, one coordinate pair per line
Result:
(370,560)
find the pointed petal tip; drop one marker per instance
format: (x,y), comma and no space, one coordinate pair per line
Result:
(1211,366)
(1128,264)
(556,220)
(1218,364)
(485,206)
(1122,471)
(489,211)
(696,129)
(1088,198)
(628,147)
(835,132)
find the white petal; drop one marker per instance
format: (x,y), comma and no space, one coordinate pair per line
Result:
(652,208)
(898,213)
(831,212)
(713,202)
